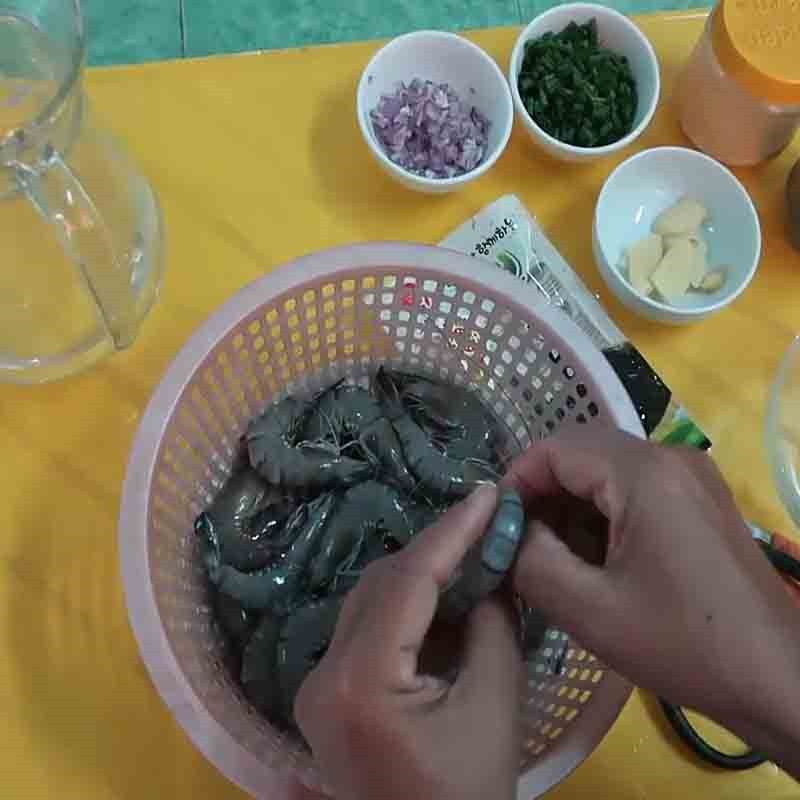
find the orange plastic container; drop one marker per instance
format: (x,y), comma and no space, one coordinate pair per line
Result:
(739,94)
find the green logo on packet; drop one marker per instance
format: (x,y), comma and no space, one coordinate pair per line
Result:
(687,433)
(508,262)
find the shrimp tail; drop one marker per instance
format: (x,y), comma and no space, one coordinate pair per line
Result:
(303,640)
(260,666)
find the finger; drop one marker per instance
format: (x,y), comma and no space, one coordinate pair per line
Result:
(590,465)
(388,614)
(550,577)
(492,666)
(439,549)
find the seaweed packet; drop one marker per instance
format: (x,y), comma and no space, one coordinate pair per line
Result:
(505,234)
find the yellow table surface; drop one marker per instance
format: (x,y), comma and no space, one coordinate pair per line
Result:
(250,157)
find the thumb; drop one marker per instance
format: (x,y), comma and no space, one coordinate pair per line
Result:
(492,666)
(551,578)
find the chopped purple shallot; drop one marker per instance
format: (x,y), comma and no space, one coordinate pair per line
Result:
(426,129)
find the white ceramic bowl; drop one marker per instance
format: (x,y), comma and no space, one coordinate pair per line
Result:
(617,33)
(442,58)
(639,189)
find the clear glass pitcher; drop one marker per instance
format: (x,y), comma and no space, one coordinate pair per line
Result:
(80,227)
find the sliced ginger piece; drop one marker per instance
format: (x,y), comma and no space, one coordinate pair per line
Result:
(685,217)
(643,259)
(712,281)
(700,252)
(700,260)
(675,272)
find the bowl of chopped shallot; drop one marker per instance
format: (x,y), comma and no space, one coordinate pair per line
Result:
(435,110)
(676,236)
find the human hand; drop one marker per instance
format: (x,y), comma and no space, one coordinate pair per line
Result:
(681,602)
(378,727)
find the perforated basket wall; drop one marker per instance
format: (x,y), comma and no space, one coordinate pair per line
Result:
(340,313)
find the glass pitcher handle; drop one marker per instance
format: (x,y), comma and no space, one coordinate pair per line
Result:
(62,201)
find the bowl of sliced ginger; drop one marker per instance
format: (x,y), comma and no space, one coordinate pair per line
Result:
(676,236)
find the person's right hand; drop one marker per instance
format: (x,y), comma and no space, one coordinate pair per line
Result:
(682,603)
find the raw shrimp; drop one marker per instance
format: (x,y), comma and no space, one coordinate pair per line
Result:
(485,566)
(304,639)
(444,476)
(364,509)
(352,412)
(463,422)
(277,454)
(279,586)
(244,519)
(280,539)
(260,666)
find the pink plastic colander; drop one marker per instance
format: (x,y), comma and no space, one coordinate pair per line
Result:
(333,314)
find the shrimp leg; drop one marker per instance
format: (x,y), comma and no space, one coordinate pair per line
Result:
(356,414)
(272,443)
(466,424)
(444,476)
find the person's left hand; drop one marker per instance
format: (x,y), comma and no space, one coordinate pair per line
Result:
(378,727)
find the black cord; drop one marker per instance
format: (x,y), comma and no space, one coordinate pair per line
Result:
(702,748)
(790,567)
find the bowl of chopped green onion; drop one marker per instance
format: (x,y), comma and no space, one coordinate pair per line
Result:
(584,80)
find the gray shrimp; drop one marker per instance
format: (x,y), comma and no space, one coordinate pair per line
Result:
(353,412)
(244,520)
(278,586)
(259,671)
(303,641)
(460,417)
(364,509)
(275,451)
(484,568)
(444,476)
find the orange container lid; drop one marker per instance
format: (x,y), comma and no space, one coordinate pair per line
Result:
(758,43)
